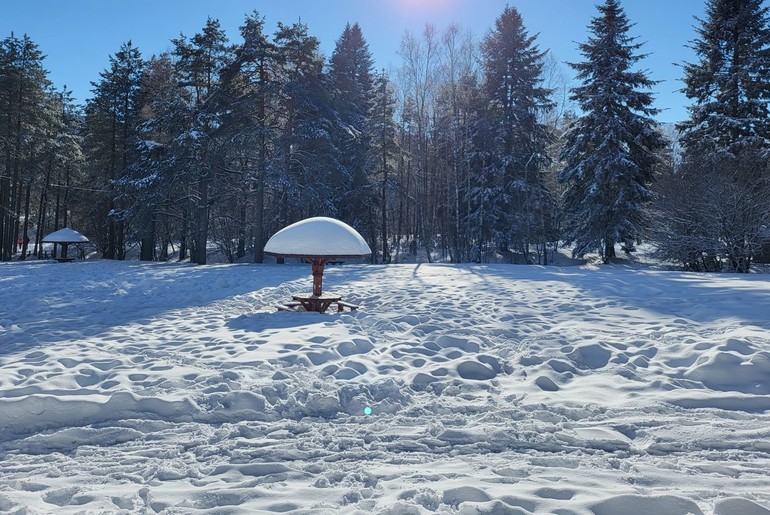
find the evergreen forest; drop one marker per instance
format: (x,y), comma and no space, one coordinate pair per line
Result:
(472,150)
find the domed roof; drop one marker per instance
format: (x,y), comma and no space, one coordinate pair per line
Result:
(65,235)
(318,237)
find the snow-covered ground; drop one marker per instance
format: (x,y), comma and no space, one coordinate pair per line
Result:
(141,388)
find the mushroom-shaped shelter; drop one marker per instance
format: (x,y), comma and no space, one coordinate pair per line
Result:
(65,237)
(318,240)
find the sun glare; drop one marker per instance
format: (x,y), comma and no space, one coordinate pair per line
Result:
(423,7)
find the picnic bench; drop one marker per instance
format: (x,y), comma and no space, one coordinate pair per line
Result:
(288,306)
(342,304)
(317,303)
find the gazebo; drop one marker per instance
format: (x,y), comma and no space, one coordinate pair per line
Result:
(65,237)
(317,240)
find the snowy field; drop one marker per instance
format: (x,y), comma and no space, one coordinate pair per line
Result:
(144,388)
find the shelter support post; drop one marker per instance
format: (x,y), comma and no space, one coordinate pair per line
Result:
(318,274)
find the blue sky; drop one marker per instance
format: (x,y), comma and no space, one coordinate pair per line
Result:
(77,36)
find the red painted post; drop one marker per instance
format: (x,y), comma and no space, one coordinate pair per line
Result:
(318,275)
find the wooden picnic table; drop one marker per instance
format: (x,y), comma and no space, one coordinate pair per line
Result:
(319,303)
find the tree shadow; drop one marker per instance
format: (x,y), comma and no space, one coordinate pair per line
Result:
(48,303)
(700,297)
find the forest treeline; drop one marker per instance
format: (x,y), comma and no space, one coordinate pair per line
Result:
(472,150)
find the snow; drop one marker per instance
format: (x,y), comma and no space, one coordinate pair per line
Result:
(318,236)
(65,235)
(168,388)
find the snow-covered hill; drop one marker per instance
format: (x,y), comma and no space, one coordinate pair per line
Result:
(141,388)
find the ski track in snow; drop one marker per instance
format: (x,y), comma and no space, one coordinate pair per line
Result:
(160,388)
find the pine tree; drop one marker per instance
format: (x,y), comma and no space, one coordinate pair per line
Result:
(157,183)
(199,62)
(479,188)
(730,82)
(513,67)
(251,86)
(111,119)
(610,150)
(310,174)
(25,125)
(65,193)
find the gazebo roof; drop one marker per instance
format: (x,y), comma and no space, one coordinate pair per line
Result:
(65,235)
(318,237)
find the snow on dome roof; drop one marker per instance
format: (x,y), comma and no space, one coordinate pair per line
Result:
(317,237)
(65,235)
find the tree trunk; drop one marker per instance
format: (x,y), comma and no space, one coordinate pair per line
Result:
(120,244)
(241,251)
(384,202)
(164,244)
(147,245)
(112,239)
(109,252)
(400,222)
(5,185)
(5,220)
(14,211)
(56,220)
(25,230)
(259,227)
(201,229)
(259,208)
(17,215)
(371,219)
(66,196)
(183,236)
(43,207)
(609,251)
(14,201)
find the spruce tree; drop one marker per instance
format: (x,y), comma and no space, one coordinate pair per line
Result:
(350,76)
(730,82)
(610,151)
(726,140)
(479,188)
(513,66)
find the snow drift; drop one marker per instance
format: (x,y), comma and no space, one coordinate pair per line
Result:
(493,389)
